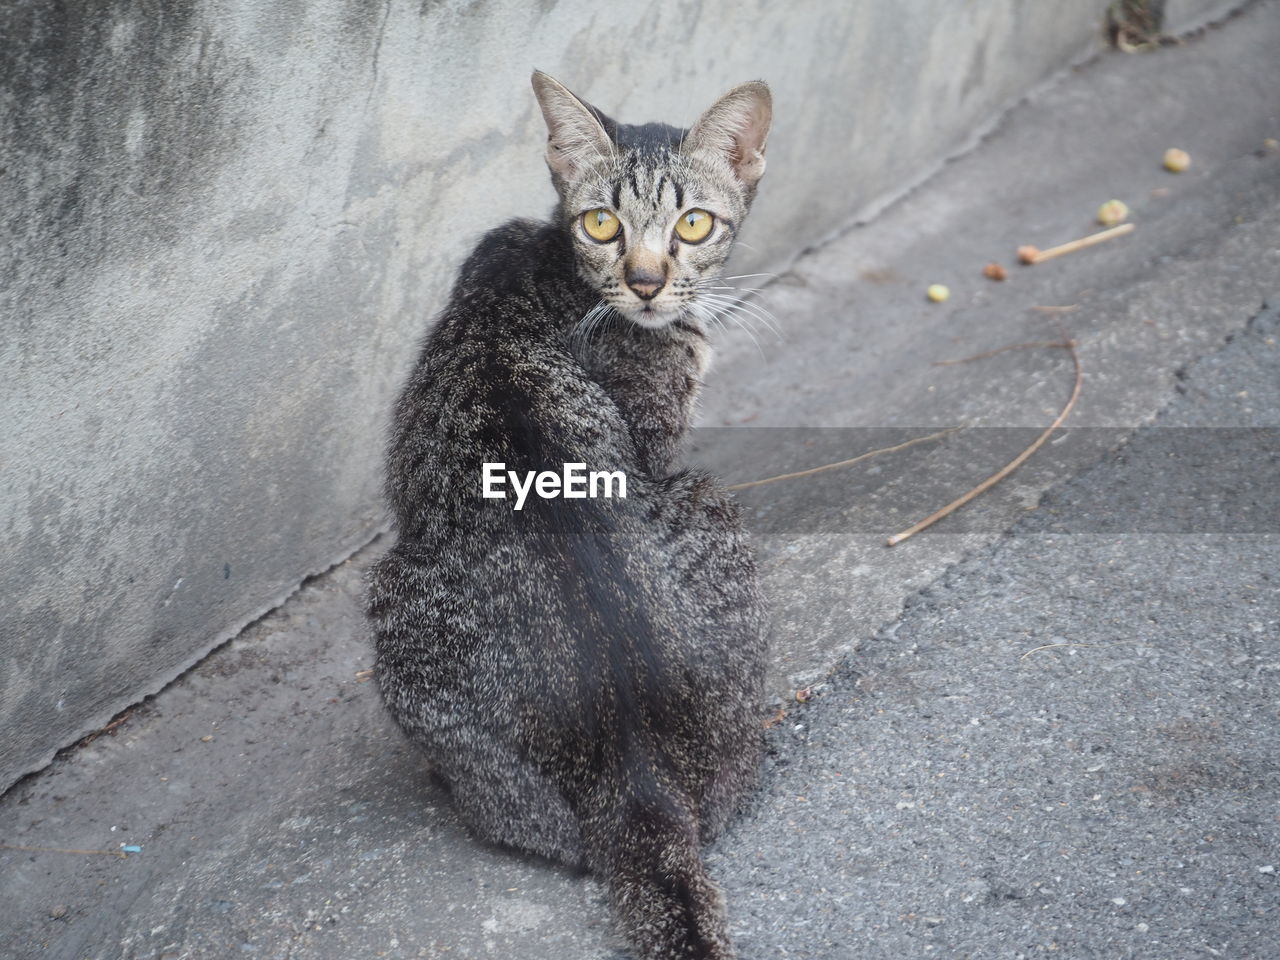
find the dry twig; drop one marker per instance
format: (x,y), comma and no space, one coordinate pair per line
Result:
(1033,255)
(1013,465)
(842,463)
(17,846)
(991,353)
(109,728)
(1050,646)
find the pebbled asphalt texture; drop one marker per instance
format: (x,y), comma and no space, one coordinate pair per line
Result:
(1067,746)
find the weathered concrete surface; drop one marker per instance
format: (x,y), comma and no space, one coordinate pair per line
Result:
(227,222)
(1181,16)
(859,338)
(305,827)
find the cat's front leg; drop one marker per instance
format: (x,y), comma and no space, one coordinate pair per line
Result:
(654,377)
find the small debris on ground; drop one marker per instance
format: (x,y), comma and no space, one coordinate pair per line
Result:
(1113,212)
(994,271)
(1029,254)
(1175,160)
(1134,25)
(937,292)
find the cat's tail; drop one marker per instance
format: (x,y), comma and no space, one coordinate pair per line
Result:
(645,847)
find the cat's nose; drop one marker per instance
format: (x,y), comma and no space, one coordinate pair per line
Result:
(645,283)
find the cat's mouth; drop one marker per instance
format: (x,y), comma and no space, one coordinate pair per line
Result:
(652,315)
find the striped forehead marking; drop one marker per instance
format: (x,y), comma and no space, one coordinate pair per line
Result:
(638,176)
(676,189)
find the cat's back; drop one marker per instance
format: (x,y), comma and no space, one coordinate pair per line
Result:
(494,381)
(523,266)
(514,292)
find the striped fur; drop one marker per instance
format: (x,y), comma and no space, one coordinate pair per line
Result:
(585,675)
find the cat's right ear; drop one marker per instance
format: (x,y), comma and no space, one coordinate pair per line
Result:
(575,136)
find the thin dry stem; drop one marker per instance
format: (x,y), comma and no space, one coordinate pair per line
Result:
(842,463)
(1009,468)
(109,853)
(109,728)
(1050,646)
(1100,237)
(992,353)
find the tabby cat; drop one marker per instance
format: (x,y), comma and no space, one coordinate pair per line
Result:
(585,674)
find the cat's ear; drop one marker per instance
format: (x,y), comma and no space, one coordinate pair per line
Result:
(736,129)
(575,135)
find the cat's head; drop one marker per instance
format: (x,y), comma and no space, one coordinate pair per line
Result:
(653,210)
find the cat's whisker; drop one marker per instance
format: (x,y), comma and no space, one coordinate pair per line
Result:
(738,320)
(740,305)
(722,313)
(764,320)
(721,283)
(724,286)
(747,276)
(748,324)
(586,319)
(585,330)
(589,329)
(612,319)
(758,312)
(744,322)
(733,293)
(605,323)
(724,282)
(707,315)
(718,324)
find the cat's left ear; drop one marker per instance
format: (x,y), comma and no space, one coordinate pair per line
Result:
(575,136)
(736,128)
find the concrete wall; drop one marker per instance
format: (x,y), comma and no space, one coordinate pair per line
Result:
(226,223)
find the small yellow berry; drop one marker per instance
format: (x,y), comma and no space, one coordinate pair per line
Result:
(937,292)
(1175,160)
(1113,212)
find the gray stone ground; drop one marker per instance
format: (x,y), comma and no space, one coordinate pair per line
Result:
(1068,744)
(1048,727)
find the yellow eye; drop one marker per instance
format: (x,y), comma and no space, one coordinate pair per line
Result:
(694,225)
(601,225)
